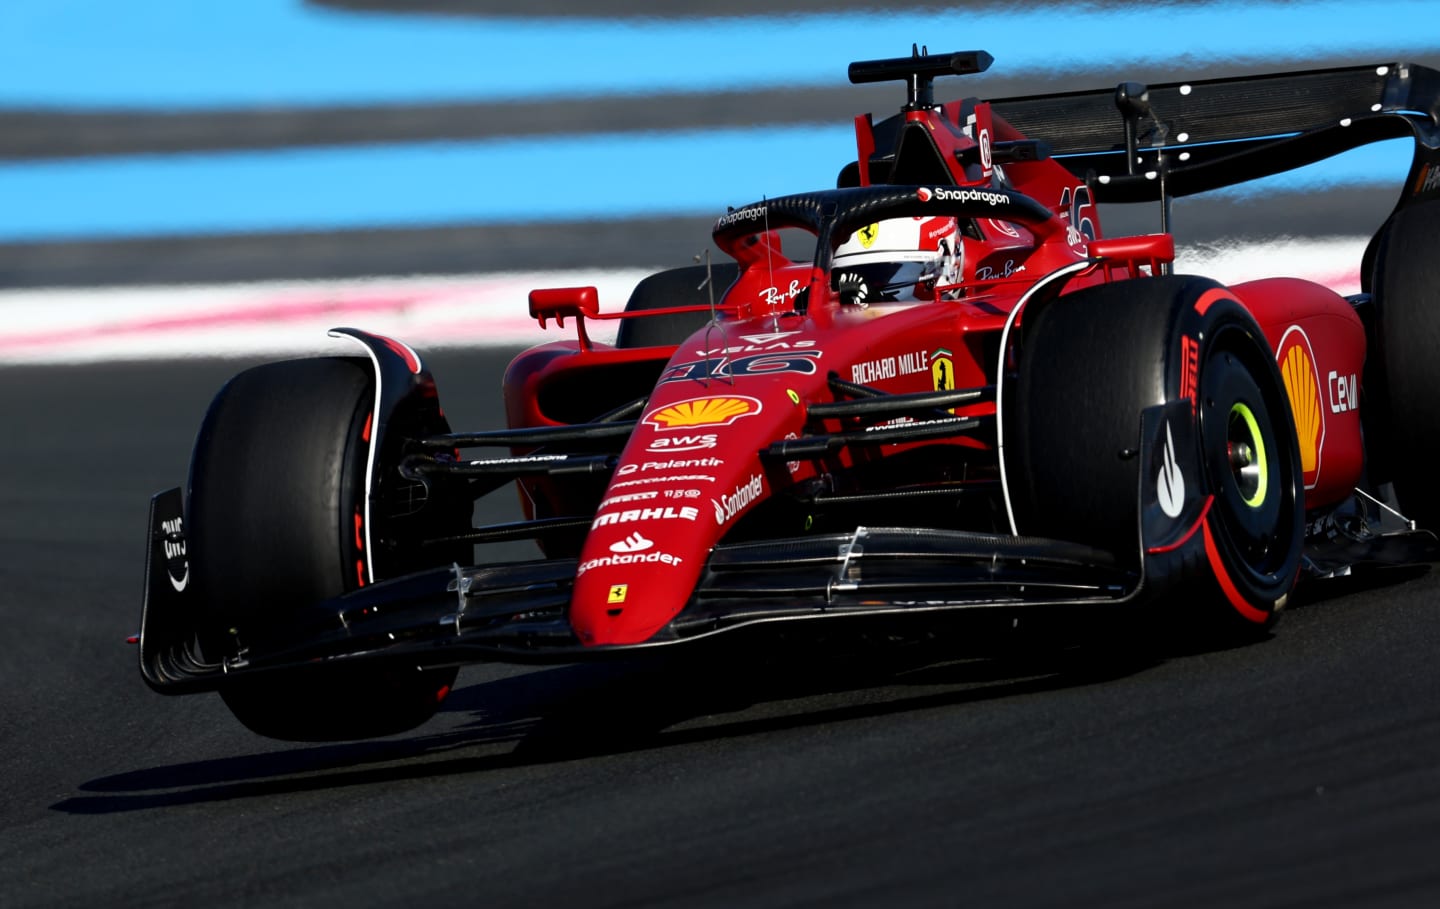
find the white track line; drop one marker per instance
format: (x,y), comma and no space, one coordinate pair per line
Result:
(96,324)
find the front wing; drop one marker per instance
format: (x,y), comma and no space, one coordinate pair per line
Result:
(912,577)
(516,612)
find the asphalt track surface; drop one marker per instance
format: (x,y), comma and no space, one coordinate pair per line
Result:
(1299,771)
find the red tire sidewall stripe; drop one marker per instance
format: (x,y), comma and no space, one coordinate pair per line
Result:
(1204,513)
(1211,296)
(1222,577)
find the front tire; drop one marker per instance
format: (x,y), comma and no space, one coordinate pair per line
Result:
(1090,363)
(276,499)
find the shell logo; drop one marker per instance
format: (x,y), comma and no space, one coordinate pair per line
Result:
(1302,383)
(718,411)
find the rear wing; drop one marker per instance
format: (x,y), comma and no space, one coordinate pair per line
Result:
(1220,132)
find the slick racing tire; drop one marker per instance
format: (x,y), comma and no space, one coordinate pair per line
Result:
(1403,383)
(673,287)
(276,482)
(1090,363)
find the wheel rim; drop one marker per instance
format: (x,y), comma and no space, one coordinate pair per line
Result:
(1244,460)
(1249,461)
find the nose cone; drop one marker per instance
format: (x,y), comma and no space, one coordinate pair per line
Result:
(638,568)
(691,469)
(687,474)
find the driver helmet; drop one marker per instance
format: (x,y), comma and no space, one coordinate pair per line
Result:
(898,259)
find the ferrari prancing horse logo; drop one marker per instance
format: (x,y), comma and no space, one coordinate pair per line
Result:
(942,370)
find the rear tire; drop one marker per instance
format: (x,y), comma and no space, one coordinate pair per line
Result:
(1091,361)
(276,493)
(1406,293)
(673,287)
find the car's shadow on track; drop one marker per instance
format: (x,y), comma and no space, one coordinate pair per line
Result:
(572,712)
(578,711)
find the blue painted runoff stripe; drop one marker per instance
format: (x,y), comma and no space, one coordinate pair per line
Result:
(600,177)
(180,54)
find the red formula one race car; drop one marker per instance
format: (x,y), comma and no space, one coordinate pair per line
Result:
(934,399)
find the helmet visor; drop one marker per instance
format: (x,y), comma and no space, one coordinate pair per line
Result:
(882,280)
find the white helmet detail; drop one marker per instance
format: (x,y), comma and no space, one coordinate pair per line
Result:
(898,259)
